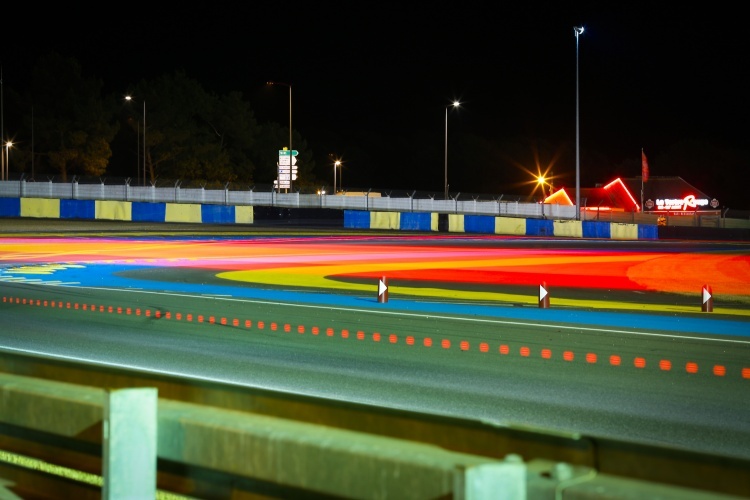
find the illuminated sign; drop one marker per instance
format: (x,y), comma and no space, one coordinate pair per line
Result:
(688,202)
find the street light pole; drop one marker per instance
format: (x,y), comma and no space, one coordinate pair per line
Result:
(7,157)
(577,31)
(137,151)
(291,157)
(144,142)
(130,98)
(455,105)
(2,128)
(336,164)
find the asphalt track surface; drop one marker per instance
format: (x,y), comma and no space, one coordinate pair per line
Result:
(624,350)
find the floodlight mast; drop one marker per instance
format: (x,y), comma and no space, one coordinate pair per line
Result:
(578,30)
(455,104)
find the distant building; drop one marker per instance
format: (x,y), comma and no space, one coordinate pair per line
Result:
(661,195)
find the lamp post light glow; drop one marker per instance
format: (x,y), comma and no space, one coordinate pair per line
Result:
(577,31)
(130,98)
(455,104)
(290,127)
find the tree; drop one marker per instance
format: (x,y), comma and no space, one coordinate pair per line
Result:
(194,135)
(73,124)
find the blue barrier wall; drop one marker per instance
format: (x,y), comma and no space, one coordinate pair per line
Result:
(77,209)
(10,207)
(483,224)
(148,212)
(488,224)
(646,232)
(596,229)
(354,219)
(540,227)
(217,214)
(416,221)
(357,219)
(124,210)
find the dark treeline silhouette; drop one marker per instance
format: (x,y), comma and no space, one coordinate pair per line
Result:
(63,124)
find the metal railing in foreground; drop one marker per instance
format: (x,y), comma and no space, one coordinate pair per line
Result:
(129,438)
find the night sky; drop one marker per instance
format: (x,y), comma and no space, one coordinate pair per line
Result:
(371,82)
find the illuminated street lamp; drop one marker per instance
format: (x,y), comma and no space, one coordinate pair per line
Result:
(577,31)
(541,181)
(290,129)
(130,98)
(336,164)
(455,105)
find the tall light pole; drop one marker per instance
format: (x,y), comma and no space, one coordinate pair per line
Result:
(455,104)
(130,98)
(291,157)
(7,157)
(336,164)
(2,128)
(144,142)
(577,30)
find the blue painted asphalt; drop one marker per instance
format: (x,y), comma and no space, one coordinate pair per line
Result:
(109,276)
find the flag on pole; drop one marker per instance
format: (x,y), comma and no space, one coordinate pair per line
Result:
(644,166)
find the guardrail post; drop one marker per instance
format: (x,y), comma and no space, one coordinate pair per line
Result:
(129,444)
(497,481)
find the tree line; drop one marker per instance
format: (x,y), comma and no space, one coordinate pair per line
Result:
(63,125)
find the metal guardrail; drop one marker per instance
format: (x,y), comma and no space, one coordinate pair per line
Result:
(207,451)
(294,455)
(177,194)
(366,201)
